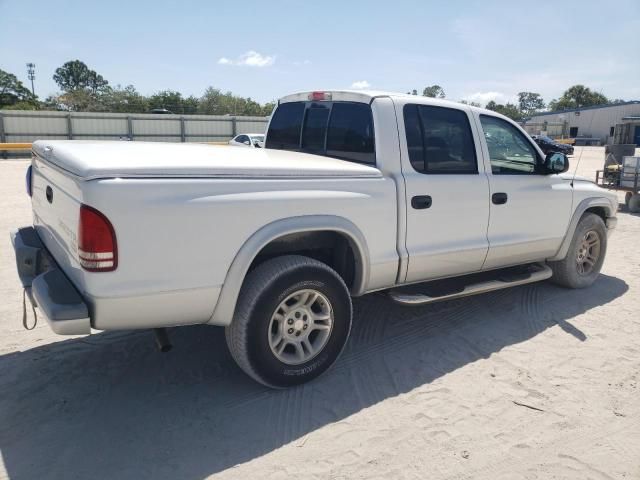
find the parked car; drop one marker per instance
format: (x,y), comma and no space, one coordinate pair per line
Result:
(355,192)
(161,111)
(549,145)
(255,140)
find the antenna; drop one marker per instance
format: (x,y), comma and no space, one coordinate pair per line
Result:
(31,74)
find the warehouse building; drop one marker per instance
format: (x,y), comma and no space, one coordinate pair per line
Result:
(598,125)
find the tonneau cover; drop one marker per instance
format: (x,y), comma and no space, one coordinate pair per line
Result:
(121,159)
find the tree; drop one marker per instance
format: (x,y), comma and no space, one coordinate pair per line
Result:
(467,102)
(508,110)
(190,104)
(13,92)
(75,75)
(578,96)
(433,91)
(268,107)
(214,102)
(170,99)
(530,102)
(124,100)
(77,101)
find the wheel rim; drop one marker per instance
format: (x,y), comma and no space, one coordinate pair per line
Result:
(588,252)
(300,327)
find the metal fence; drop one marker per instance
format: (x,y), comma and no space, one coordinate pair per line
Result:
(27,126)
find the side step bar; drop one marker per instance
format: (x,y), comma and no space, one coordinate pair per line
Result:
(469,285)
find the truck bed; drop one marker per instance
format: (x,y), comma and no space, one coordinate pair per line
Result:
(182,212)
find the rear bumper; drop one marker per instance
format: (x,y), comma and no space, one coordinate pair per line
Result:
(47,286)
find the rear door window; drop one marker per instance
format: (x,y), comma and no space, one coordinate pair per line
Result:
(439,140)
(341,130)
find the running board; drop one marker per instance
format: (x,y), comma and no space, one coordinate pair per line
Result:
(448,289)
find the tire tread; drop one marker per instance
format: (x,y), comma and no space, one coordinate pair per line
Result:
(563,273)
(256,281)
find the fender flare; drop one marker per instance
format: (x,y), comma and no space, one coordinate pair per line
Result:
(226,304)
(577,214)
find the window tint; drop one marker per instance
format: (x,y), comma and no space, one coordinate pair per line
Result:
(350,133)
(284,129)
(336,129)
(439,140)
(315,127)
(242,138)
(509,150)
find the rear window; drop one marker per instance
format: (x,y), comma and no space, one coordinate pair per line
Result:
(284,130)
(336,129)
(315,128)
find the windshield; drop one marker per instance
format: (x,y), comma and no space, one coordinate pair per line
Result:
(547,139)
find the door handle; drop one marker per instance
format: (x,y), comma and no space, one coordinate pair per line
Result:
(499,198)
(420,202)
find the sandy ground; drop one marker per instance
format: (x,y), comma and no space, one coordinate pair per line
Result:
(535,382)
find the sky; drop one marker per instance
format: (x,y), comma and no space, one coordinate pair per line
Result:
(476,50)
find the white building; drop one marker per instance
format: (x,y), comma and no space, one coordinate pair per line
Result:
(589,122)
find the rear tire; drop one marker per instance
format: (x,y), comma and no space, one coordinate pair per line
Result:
(581,266)
(292,320)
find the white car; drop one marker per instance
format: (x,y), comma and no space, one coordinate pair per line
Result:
(355,192)
(255,140)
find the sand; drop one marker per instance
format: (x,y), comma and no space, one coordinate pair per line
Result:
(534,382)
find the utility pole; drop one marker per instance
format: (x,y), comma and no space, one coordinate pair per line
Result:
(31,74)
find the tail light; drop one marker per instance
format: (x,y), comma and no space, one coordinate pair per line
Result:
(97,247)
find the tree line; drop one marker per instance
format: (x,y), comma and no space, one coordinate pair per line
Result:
(85,90)
(530,103)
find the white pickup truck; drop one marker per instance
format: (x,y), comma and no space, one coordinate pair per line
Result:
(355,192)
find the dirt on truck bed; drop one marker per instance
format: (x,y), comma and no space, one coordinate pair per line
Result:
(530,382)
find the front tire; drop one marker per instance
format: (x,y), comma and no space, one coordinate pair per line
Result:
(581,266)
(292,320)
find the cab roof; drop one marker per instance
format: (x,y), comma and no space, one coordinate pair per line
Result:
(367,96)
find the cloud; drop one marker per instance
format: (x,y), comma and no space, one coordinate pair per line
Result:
(360,84)
(485,97)
(249,59)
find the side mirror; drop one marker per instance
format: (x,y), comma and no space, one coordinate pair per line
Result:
(556,162)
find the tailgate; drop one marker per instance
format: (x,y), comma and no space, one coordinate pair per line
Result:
(56,200)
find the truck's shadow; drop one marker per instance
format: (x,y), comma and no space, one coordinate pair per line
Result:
(110,406)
